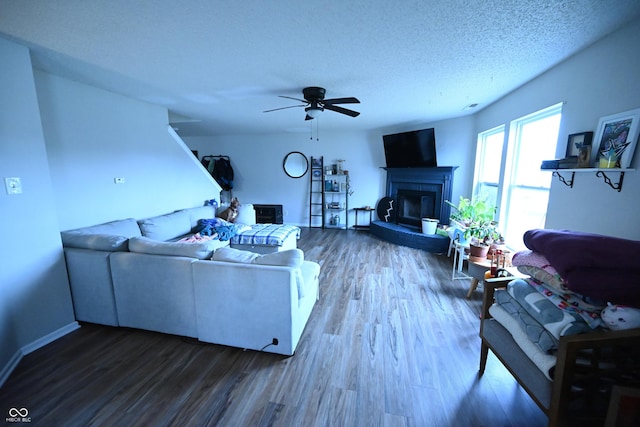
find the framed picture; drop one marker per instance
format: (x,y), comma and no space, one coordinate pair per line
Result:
(316,162)
(584,156)
(616,138)
(624,407)
(577,141)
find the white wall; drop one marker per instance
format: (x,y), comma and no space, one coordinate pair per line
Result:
(94,136)
(599,81)
(67,142)
(259,177)
(34,292)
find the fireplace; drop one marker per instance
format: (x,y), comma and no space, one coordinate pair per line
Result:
(413,205)
(420,193)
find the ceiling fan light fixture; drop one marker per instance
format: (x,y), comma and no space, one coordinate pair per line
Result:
(313,112)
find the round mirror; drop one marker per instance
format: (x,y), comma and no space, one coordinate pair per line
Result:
(295,164)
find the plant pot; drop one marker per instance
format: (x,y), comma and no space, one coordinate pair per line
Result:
(429,226)
(478,251)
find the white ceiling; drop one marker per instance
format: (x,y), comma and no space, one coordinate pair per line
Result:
(221,63)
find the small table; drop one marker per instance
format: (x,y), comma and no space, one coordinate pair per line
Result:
(478,269)
(364,226)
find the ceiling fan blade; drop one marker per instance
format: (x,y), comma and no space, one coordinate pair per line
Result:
(284,108)
(295,99)
(350,100)
(341,110)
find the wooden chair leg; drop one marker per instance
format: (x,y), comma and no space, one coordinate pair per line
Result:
(472,287)
(484,352)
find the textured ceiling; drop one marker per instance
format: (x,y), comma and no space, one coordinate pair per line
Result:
(221,63)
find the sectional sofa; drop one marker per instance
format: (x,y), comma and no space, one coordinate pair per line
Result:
(135,273)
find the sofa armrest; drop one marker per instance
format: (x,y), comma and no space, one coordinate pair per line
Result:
(567,367)
(248,305)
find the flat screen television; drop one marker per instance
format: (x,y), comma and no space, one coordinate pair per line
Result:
(415,149)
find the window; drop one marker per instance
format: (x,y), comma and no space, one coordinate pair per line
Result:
(520,188)
(488,164)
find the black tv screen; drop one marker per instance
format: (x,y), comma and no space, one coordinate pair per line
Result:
(415,149)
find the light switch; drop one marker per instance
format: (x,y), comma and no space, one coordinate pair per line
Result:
(118,180)
(13,185)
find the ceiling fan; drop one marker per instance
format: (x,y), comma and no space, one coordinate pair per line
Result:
(315,103)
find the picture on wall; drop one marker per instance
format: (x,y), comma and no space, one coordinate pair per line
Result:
(616,139)
(579,145)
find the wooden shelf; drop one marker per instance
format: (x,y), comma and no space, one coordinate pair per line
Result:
(600,172)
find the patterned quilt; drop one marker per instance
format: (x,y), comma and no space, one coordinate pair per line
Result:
(266,234)
(542,320)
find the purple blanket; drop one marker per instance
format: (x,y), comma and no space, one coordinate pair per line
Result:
(597,266)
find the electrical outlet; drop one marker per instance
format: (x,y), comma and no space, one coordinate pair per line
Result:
(13,185)
(118,180)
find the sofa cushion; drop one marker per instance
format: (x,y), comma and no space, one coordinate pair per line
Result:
(200,250)
(110,236)
(198,213)
(97,242)
(288,258)
(234,255)
(246,214)
(166,227)
(122,227)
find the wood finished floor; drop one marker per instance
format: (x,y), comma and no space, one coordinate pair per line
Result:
(393,341)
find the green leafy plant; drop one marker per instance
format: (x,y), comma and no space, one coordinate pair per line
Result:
(477,218)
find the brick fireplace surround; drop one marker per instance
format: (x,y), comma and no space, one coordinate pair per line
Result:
(417,193)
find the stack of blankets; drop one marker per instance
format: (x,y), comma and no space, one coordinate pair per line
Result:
(572,277)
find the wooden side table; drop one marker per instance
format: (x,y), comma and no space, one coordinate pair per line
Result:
(363,226)
(477,270)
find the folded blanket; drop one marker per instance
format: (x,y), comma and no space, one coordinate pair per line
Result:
(544,361)
(593,265)
(572,303)
(569,250)
(197,238)
(534,331)
(535,264)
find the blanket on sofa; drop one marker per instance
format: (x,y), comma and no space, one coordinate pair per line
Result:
(224,230)
(266,234)
(593,265)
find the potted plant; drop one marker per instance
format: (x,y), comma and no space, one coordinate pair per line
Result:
(476,219)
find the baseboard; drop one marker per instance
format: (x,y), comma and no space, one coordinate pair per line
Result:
(49,338)
(10,366)
(6,370)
